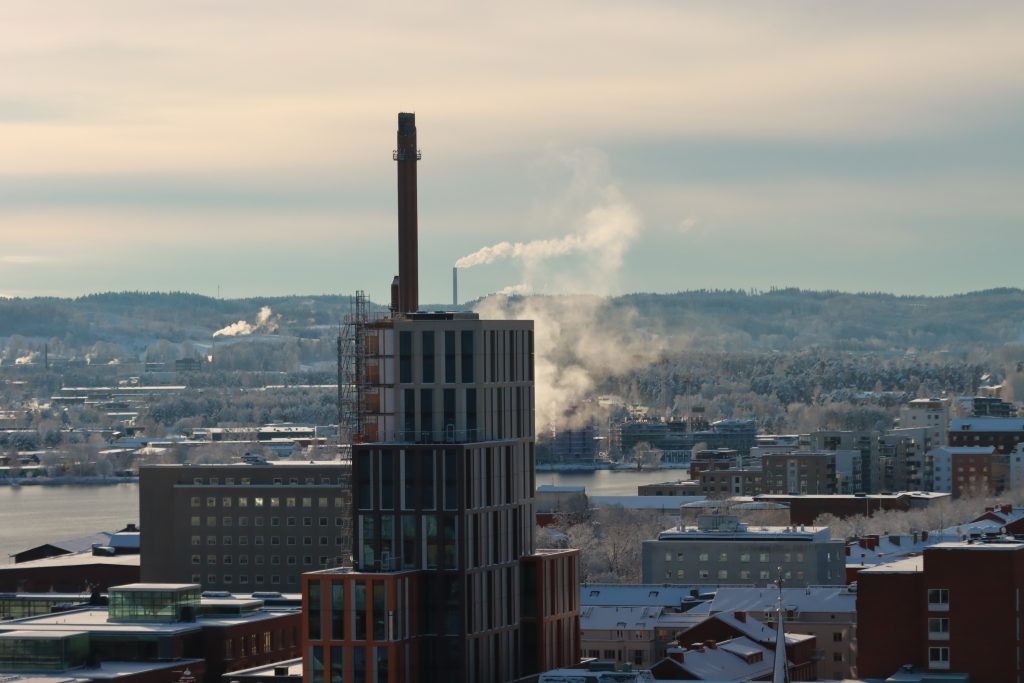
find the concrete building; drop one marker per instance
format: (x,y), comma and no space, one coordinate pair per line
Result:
(953,610)
(721,550)
(864,442)
(732,482)
(800,472)
(244,527)
(930,414)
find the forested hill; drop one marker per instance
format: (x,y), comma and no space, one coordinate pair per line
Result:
(785,319)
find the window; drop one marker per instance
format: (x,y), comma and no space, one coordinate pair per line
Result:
(837,656)
(723,573)
(679,557)
(195,501)
(744,557)
(837,637)
(938,628)
(225,502)
(703,557)
(195,521)
(704,573)
(668,557)
(723,557)
(938,599)
(211,501)
(764,557)
(938,657)
(680,574)
(197,540)
(744,573)
(197,559)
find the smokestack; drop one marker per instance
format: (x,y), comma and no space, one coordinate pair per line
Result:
(455,286)
(407,155)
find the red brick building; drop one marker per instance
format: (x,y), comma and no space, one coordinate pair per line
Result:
(955,609)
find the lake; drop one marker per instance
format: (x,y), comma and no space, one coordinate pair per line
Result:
(33,515)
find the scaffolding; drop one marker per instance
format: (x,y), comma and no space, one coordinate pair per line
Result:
(352,374)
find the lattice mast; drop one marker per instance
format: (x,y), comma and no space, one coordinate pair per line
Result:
(352,373)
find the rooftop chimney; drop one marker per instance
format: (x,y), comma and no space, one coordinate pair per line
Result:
(407,155)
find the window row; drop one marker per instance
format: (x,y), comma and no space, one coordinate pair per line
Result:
(243,579)
(267,501)
(262,540)
(225,521)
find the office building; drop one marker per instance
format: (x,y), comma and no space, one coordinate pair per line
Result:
(721,550)
(244,526)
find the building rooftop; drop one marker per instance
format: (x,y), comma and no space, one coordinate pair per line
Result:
(906,565)
(1007,543)
(729,660)
(665,595)
(618,618)
(810,599)
(987,424)
(666,503)
(156,587)
(76,559)
(294,668)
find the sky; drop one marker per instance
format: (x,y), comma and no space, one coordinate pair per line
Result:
(243,147)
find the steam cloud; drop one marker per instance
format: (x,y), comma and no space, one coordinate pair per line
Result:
(579,339)
(265,322)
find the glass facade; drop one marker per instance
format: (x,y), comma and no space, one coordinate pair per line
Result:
(170,604)
(19,652)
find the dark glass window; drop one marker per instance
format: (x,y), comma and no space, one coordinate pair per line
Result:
(467,356)
(360,612)
(471,434)
(427,414)
(529,360)
(337,616)
(449,356)
(405,357)
(387,480)
(364,486)
(317,668)
(410,536)
(449,413)
(426,482)
(450,488)
(337,665)
(379,611)
(410,415)
(428,356)
(313,611)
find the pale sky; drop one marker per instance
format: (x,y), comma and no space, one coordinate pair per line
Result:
(644,146)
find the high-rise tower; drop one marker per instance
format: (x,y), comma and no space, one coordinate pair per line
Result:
(447,584)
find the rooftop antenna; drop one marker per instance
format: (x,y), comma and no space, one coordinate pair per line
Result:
(780,673)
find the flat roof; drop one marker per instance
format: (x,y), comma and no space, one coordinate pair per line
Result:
(128,587)
(76,559)
(995,545)
(294,668)
(913,564)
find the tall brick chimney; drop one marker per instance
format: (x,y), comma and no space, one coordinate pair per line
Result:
(407,155)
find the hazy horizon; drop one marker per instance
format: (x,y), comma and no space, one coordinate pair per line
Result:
(586,147)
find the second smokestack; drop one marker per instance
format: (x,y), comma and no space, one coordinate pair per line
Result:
(455,286)
(407,155)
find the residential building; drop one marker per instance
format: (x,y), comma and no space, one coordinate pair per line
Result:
(800,472)
(930,612)
(964,470)
(680,487)
(864,442)
(244,526)
(829,613)
(721,550)
(716,483)
(930,414)
(1004,433)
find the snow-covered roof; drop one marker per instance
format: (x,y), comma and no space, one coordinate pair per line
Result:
(987,424)
(810,599)
(729,661)
(619,618)
(666,503)
(664,595)
(757,631)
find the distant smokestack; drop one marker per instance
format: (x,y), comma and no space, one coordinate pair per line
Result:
(407,155)
(455,286)
(395,308)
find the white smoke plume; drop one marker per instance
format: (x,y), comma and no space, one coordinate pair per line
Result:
(266,321)
(28,359)
(579,339)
